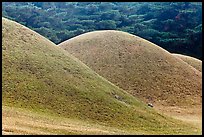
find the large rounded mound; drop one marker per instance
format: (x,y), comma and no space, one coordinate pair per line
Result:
(138,66)
(196,63)
(39,76)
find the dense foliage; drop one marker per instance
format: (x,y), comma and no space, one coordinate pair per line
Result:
(175,26)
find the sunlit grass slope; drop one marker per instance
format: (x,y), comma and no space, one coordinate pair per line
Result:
(196,63)
(41,77)
(138,66)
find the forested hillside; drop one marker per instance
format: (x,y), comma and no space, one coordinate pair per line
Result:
(175,26)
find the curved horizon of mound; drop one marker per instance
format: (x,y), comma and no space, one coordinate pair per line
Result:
(138,66)
(196,63)
(37,75)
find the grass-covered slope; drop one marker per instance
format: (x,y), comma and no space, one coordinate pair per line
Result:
(39,76)
(196,63)
(139,67)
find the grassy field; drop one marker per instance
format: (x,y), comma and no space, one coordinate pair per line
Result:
(44,84)
(18,121)
(29,122)
(196,63)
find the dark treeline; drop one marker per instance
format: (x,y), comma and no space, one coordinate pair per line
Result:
(175,26)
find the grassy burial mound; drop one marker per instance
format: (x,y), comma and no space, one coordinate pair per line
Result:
(39,76)
(196,63)
(138,66)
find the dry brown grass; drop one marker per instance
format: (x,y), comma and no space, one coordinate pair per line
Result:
(138,66)
(196,63)
(191,115)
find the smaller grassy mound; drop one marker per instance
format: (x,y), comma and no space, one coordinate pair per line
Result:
(139,67)
(196,63)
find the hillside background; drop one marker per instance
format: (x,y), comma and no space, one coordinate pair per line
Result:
(175,26)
